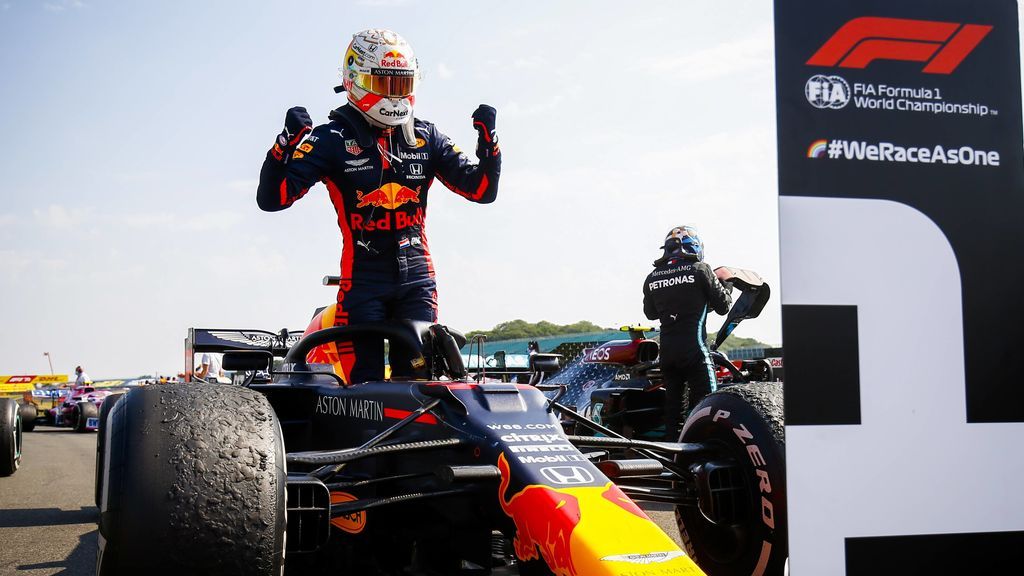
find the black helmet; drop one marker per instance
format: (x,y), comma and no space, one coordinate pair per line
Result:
(683,240)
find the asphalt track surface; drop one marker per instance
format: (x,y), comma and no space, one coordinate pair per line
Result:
(47,515)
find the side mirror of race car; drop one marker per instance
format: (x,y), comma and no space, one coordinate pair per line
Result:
(546,364)
(754,295)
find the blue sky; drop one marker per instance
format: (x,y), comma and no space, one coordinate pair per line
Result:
(136,131)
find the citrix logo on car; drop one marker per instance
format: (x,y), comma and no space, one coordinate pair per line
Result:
(861,41)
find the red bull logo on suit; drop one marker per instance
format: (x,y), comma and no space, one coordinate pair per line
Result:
(388,196)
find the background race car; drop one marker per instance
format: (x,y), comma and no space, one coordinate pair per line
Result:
(80,407)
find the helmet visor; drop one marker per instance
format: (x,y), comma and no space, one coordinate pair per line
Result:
(387,82)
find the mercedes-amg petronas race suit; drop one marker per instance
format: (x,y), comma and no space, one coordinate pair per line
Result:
(378,185)
(678,293)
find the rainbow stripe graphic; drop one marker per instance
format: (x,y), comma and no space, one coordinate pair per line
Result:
(817,149)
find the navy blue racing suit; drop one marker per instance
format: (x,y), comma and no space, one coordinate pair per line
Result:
(378,185)
(678,293)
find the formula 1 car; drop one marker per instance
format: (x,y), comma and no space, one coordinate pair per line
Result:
(631,398)
(431,473)
(80,409)
(618,383)
(739,525)
(11,435)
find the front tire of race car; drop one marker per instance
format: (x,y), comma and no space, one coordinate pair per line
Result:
(10,437)
(101,442)
(749,538)
(193,483)
(84,411)
(28,417)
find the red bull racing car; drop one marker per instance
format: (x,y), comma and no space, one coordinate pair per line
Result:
(435,474)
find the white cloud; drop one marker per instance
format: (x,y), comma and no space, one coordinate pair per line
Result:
(444,72)
(63,5)
(212,221)
(13,263)
(527,63)
(376,3)
(147,220)
(137,176)
(248,185)
(513,109)
(59,217)
(751,54)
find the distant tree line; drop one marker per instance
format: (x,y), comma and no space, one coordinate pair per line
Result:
(515,329)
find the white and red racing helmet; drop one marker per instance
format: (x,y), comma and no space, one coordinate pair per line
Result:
(380,74)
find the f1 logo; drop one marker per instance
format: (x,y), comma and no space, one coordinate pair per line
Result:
(567,475)
(861,41)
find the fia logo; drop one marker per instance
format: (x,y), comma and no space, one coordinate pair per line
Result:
(827,91)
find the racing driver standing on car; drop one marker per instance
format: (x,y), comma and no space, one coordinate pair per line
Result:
(678,293)
(378,162)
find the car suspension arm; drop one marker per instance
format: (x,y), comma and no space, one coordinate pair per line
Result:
(648,449)
(336,458)
(333,467)
(346,508)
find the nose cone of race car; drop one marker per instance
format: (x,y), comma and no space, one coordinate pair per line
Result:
(589,530)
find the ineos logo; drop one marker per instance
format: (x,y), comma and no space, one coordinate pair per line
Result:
(567,475)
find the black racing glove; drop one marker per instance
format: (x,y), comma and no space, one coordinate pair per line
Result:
(297,124)
(487,138)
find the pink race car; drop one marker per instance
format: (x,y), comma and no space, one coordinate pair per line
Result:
(81,409)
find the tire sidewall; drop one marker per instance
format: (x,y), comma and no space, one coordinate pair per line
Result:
(105,409)
(730,421)
(10,437)
(28,417)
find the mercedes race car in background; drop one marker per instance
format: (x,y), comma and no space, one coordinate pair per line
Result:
(432,474)
(631,401)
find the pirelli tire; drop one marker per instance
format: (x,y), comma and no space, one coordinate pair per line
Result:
(746,420)
(101,442)
(28,417)
(84,411)
(193,483)
(10,437)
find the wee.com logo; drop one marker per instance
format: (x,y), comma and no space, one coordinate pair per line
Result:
(861,41)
